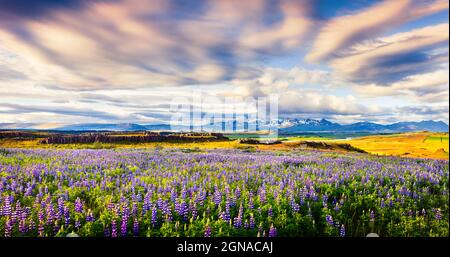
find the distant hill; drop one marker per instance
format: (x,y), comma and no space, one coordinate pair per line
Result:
(284,125)
(103,127)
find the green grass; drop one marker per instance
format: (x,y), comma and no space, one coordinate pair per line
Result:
(437,139)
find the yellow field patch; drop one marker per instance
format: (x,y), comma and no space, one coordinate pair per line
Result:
(421,144)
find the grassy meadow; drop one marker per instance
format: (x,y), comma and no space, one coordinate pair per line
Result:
(417,144)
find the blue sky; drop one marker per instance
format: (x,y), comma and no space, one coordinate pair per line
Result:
(126,60)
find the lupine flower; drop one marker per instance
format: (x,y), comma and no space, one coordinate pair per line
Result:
(60,211)
(207,231)
(135,227)
(424,212)
(77,224)
(154,217)
(272,231)
(89,216)
(217,197)
(124,225)
(252,221)
(342,231)
(250,202)
(107,232)
(438,214)
(66,216)
(262,195)
(325,201)
(113,228)
(237,222)
(329,220)
(78,205)
(8,227)
(6,210)
(41,223)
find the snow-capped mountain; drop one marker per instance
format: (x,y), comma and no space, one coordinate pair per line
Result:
(288,125)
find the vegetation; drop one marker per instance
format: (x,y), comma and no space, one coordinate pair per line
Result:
(168,192)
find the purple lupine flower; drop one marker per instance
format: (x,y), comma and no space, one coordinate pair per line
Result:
(160,203)
(31,225)
(295,206)
(154,216)
(437,214)
(60,211)
(372,216)
(217,197)
(113,228)
(410,212)
(8,227)
(342,231)
(252,221)
(22,222)
(325,201)
(272,231)
(7,208)
(41,223)
(336,207)
(66,216)
(78,205)
(207,231)
(89,216)
(329,219)
(237,222)
(134,209)
(77,224)
(423,212)
(107,232)
(124,226)
(194,211)
(250,202)
(16,213)
(270,212)
(262,195)
(56,227)
(50,214)
(135,227)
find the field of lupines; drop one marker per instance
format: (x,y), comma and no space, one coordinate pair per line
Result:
(170,192)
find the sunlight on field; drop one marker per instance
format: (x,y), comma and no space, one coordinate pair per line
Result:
(34,143)
(422,144)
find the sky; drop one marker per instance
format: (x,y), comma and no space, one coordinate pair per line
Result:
(126,61)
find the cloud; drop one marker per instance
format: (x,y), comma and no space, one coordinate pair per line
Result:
(62,110)
(341,32)
(294,102)
(426,87)
(296,92)
(29,9)
(129,43)
(7,73)
(388,59)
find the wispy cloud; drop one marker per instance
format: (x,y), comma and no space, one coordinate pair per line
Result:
(389,59)
(141,43)
(344,31)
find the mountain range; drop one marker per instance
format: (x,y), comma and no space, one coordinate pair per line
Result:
(287,126)
(311,125)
